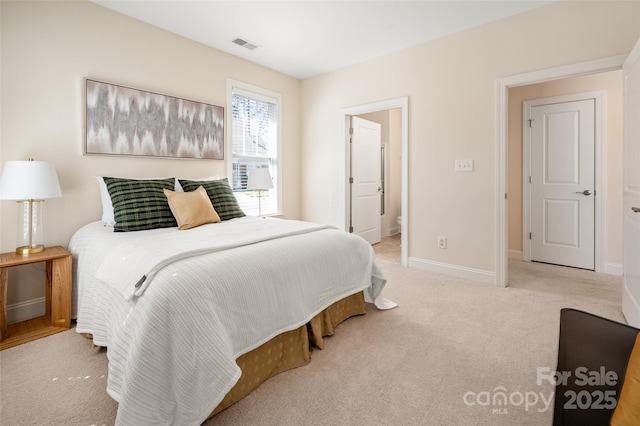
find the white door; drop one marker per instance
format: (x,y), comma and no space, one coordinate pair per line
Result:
(562,183)
(631,195)
(365,172)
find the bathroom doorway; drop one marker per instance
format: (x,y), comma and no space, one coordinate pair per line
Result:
(393,115)
(390,168)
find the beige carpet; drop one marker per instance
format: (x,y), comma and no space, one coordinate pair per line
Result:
(437,359)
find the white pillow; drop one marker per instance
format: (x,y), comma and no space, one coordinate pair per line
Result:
(107,206)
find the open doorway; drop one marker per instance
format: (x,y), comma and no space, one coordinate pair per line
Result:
(504,187)
(390,166)
(393,212)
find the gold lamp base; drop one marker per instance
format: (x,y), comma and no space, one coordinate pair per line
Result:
(26,250)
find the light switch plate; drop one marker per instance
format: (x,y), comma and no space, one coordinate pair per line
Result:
(464,166)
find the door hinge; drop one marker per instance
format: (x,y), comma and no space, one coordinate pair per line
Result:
(505,195)
(351,180)
(531,122)
(351,229)
(529,235)
(351,130)
(529,179)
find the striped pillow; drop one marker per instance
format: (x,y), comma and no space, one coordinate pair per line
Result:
(140,204)
(221,195)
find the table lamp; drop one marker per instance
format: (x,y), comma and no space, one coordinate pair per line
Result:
(259,179)
(29,183)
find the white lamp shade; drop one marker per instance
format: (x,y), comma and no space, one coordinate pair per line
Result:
(29,180)
(259,178)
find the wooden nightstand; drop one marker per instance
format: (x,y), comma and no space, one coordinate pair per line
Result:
(58,297)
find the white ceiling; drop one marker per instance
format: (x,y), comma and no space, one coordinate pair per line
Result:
(306,38)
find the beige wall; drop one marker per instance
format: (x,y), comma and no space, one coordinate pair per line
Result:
(451,85)
(48,48)
(611,84)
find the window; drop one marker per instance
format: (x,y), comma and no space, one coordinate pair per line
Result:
(255,143)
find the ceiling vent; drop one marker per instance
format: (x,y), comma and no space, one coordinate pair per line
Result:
(244,43)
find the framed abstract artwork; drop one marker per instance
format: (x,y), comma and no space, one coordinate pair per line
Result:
(125,121)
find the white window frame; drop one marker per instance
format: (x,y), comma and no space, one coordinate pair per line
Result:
(235,86)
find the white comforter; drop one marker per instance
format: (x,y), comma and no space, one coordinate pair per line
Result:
(172,346)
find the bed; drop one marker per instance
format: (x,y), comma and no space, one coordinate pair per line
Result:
(195,318)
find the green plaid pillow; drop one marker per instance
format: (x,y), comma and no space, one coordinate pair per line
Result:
(140,204)
(221,195)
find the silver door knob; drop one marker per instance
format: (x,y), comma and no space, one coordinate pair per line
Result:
(585,192)
(635,209)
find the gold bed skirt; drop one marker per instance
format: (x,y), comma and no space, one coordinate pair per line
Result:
(290,349)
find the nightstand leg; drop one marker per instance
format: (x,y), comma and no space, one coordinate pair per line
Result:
(4,278)
(60,276)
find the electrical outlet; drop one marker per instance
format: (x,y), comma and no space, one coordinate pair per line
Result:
(442,242)
(464,166)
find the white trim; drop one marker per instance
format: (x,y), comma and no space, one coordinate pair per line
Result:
(472,274)
(613,269)
(22,311)
(502,87)
(403,104)
(599,98)
(501,203)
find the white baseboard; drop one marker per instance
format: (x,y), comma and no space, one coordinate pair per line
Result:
(22,311)
(486,277)
(393,231)
(613,268)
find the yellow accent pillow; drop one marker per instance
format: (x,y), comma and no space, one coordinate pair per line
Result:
(627,411)
(191,209)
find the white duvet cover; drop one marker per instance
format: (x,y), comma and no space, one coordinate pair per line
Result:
(172,341)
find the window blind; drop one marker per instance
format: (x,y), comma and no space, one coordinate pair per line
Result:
(254,144)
